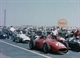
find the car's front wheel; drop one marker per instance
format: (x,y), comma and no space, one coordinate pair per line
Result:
(17,40)
(46,48)
(32,44)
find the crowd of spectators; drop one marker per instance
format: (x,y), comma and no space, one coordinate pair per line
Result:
(55,30)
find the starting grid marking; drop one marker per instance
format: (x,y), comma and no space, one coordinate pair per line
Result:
(25,49)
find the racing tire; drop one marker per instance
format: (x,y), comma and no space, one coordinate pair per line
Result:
(13,40)
(17,40)
(46,48)
(78,47)
(32,44)
(77,50)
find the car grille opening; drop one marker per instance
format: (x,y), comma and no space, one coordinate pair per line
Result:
(63,50)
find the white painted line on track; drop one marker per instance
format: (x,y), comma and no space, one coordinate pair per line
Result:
(24,49)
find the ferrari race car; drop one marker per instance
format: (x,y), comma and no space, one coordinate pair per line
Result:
(48,44)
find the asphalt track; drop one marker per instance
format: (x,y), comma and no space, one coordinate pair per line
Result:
(9,49)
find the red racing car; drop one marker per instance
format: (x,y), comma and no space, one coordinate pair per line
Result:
(48,44)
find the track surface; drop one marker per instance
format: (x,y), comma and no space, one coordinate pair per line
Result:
(9,49)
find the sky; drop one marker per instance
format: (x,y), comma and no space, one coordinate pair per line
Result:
(40,12)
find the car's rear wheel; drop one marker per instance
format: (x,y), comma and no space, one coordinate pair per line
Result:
(46,48)
(32,44)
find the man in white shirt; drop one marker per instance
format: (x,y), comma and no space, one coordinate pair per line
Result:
(12,29)
(54,32)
